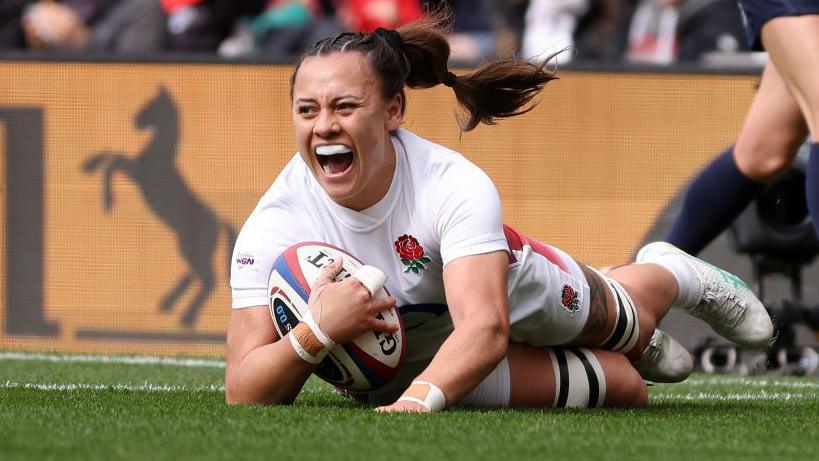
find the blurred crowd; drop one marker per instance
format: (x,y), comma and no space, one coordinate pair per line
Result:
(638,31)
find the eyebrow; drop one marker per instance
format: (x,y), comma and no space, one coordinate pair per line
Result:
(334,100)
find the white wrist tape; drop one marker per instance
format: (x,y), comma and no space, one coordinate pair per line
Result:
(372,278)
(426,394)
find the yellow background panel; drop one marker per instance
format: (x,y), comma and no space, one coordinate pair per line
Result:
(588,170)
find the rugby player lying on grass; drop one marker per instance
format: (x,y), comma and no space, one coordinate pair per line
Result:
(520,323)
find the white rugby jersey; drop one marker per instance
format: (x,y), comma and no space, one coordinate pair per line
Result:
(439,207)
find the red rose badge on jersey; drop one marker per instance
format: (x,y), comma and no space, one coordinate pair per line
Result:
(411,253)
(570,299)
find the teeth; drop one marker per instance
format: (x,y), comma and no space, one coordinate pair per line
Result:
(332,149)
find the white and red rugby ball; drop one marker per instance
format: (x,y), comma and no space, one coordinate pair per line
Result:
(366,363)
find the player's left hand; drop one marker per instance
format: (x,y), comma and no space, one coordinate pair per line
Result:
(402,407)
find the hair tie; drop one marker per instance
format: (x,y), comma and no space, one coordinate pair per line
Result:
(450,79)
(392,37)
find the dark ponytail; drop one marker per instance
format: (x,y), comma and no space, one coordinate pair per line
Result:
(417,55)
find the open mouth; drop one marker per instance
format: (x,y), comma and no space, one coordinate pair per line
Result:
(334,159)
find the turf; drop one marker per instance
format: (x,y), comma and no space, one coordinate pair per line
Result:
(125,411)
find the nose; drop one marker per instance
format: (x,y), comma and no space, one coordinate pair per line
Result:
(326,125)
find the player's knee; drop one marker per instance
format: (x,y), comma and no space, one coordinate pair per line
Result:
(624,386)
(636,390)
(762,159)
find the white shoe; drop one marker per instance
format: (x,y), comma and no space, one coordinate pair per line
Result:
(727,304)
(664,360)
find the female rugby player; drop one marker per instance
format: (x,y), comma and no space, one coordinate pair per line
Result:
(784,110)
(484,300)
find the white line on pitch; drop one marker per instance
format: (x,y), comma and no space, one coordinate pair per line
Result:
(701,396)
(144,387)
(760,381)
(149,387)
(136,360)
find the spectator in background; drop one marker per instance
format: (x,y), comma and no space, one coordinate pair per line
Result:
(602,32)
(550,27)
(474,25)
(667,31)
(510,28)
(597,30)
(127,26)
(11,30)
(707,26)
(652,35)
(200,25)
(368,15)
(282,30)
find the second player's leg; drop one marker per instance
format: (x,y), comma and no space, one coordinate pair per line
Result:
(793,43)
(772,132)
(767,144)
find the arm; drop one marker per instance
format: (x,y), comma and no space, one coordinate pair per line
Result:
(476,293)
(262,369)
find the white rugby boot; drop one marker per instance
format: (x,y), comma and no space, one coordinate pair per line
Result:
(664,360)
(726,303)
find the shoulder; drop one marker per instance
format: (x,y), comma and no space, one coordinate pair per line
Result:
(436,164)
(264,237)
(288,191)
(291,182)
(457,199)
(284,201)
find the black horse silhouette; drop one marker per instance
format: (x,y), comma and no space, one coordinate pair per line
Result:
(165,191)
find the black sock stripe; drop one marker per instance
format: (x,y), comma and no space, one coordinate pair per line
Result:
(634,329)
(594,383)
(620,327)
(563,371)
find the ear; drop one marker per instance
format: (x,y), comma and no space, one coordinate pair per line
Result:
(395,113)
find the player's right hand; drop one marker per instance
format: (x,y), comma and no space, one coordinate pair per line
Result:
(345,310)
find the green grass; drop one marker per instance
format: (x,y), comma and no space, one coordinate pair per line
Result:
(706,418)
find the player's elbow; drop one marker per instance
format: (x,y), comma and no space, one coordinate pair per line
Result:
(494,339)
(241,393)
(235,394)
(233,398)
(500,342)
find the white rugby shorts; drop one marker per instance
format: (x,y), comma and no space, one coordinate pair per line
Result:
(548,293)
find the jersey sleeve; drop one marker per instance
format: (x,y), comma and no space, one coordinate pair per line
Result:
(467,213)
(259,244)
(272,227)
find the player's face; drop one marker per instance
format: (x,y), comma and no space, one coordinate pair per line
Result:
(343,126)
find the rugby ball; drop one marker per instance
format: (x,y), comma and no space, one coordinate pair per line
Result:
(366,363)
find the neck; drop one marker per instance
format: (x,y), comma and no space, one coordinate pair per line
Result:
(381,182)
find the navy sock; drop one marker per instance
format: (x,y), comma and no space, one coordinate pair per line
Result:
(713,201)
(812,185)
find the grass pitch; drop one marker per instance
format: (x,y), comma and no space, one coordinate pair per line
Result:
(84,407)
